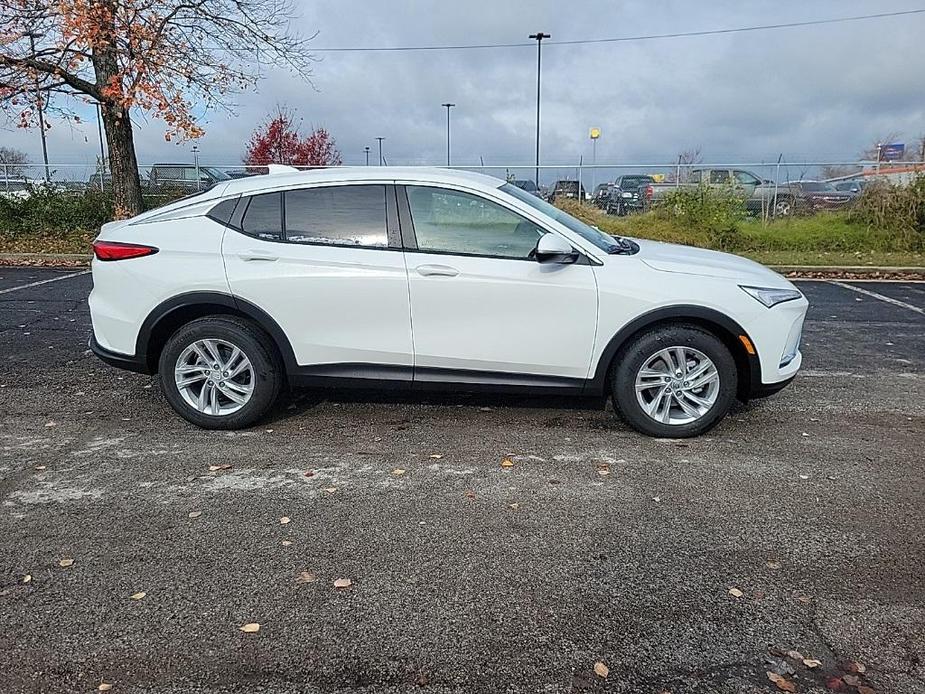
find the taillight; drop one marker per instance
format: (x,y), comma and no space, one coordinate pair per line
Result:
(649,192)
(113,250)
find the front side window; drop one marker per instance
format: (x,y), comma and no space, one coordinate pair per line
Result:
(719,176)
(745,178)
(341,215)
(263,217)
(450,221)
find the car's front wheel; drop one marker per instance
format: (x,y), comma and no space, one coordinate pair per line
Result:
(674,381)
(220,372)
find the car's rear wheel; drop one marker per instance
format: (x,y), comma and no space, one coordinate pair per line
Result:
(674,381)
(783,207)
(220,372)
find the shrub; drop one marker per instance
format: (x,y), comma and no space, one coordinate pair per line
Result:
(718,211)
(897,208)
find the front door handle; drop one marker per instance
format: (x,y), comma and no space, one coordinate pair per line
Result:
(437,271)
(250,256)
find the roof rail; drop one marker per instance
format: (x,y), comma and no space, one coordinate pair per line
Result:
(273,169)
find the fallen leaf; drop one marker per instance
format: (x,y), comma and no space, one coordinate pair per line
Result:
(104,687)
(834,683)
(853,666)
(864,689)
(342,583)
(805,599)
(51,424)
(195,514)
(27,578)
(470,494)
(811,662)
(250,628)
(782,682)
(65,562)
(656,499)
(736,593)
(851,680)
(601,670)
(330,490)
(515,506)
(137,596)
(796,655)
(213,468)
(41,467)
(436,456)
(398,471)
(306,577)
(284,520)
(804,477)
(772,564)
(603,472)
(310,473)
(507,462)
(286,543)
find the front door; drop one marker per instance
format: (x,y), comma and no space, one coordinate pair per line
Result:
(481,303)
(325,265)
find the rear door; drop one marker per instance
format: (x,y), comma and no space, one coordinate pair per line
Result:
(325,263)
(482,308)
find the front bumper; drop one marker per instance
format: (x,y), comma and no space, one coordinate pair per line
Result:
(120,361)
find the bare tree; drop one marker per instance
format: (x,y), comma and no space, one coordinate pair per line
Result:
(686,159)
(172,59)
(12,161)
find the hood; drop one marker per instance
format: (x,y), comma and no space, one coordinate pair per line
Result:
(669,257)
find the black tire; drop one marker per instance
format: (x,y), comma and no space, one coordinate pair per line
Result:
(256,346)
(646,345)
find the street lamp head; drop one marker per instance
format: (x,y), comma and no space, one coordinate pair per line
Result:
(539,36)
(448,105)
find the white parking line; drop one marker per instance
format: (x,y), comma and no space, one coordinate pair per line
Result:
(875,295)
(36,284)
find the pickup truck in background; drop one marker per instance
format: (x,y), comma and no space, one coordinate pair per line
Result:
(760,194)
(625,196)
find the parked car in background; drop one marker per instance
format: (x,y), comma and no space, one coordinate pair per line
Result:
(627,196)
(813,196)
(21,187)
(566,188)
(245,172)
(527,185)
(184,177)
(601,195)
(312,278)
(857,186)
(758,193)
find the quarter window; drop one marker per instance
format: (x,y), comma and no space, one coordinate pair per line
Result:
(341,215)
(450,221)
(262,218)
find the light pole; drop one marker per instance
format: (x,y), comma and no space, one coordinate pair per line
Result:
(538,37)
(380,149)
(366,149)
(196,164)
(594,134)
(33,35)
(99,127)
(448,107)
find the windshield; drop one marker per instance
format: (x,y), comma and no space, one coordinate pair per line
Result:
(216,174)
(813,187)
(634,181)
(603,241)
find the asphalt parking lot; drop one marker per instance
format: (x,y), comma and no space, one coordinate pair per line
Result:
(694,566)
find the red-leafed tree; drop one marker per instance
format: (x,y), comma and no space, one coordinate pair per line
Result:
(278,141)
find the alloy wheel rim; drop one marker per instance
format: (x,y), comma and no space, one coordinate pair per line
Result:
(214,377)
(677,385)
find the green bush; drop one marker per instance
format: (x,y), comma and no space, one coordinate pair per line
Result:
(897,208)
(61,212)
(718,211)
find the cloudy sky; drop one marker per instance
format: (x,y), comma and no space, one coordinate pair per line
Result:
(822,92)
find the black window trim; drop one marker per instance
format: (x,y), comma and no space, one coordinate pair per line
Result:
(409,237)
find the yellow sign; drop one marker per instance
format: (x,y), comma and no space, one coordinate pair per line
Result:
(595,133)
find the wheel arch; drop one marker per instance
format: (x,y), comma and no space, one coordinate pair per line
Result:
(170,315)
(725,328)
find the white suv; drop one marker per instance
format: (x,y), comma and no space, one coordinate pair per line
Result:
(429,278)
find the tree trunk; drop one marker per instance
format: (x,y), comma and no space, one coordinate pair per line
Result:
(126,184)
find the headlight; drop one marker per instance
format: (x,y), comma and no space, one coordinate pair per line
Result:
(771,297)
(627,195)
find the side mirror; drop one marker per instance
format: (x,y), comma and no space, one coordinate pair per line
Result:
(552,248)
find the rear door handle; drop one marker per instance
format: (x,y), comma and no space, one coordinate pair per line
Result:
(437,271)
(250,256)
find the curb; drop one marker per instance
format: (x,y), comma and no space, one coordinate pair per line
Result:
(809,271)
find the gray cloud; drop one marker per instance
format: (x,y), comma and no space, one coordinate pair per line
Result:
(817,92)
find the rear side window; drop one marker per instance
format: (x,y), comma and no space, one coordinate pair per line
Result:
(263,217)
(340,215)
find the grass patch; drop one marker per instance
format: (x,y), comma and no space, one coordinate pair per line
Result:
(76,241)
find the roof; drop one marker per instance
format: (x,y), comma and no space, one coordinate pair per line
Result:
(377,174)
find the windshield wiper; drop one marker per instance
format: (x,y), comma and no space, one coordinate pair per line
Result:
(623,247)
